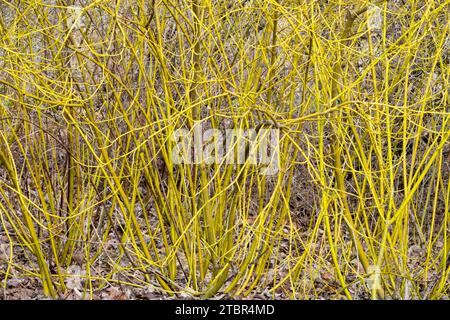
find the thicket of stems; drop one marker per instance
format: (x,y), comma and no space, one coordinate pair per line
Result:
(89,100)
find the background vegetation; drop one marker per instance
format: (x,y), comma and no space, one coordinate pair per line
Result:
(91,92)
